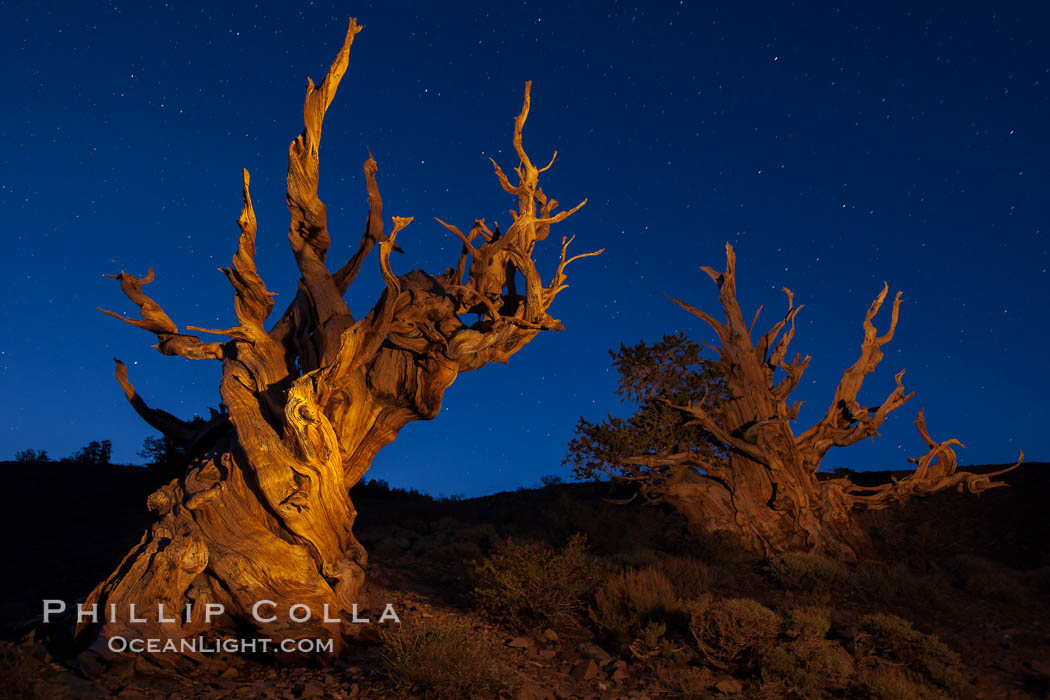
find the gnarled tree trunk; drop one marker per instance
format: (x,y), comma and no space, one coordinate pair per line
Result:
(262,512)
(768,490)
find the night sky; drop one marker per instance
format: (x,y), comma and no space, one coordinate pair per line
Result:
(835,146)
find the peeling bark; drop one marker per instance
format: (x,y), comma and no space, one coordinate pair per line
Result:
(263,513)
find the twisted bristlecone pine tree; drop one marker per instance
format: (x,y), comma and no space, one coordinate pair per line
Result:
(767,489)
(263,512)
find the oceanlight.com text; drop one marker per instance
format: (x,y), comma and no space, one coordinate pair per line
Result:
(229,645)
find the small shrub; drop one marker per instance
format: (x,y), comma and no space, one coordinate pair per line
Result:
(819,598)
(652,645)
(802,571)
(886,581)
(443,660)
(989,579)
(529,584)
(610,531)
(733,631)
(690,578)
(716,548)
(21,673)
(893,638)
(807,666)
(461,551)
(890,683)
(807,622)
(396,543)
(629,600)
(635,557)
(913,543)
(687,682)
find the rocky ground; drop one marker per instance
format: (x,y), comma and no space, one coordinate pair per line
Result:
(974,571)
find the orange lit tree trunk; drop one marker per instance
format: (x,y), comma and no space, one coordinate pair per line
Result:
(263,513)
(767,490)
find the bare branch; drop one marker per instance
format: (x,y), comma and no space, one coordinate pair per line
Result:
(776,356)
(560,216)
(308,230)
(702,315)
(671,465)
(153,319)
(373,234)
(526,170)
(383,313)
(503,181)
(253,302)
(846,421)
(160,324)
(462,236)
(548,165)
(163,421)
(935,471)
(732,441)
(498,257)
(557,282)
(793,375)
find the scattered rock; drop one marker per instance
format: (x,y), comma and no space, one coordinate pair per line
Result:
(531,692)
(619,672)
(548,653)
(593,651)
(520,643)
(259,687)
(231,672)
(585,670)
(550,635)
(90,665)
(729,686)
(312,690)
(1041,667)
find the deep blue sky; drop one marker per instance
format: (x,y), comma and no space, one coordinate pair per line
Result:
(836,146)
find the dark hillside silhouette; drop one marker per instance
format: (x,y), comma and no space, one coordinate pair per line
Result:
(954,552)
